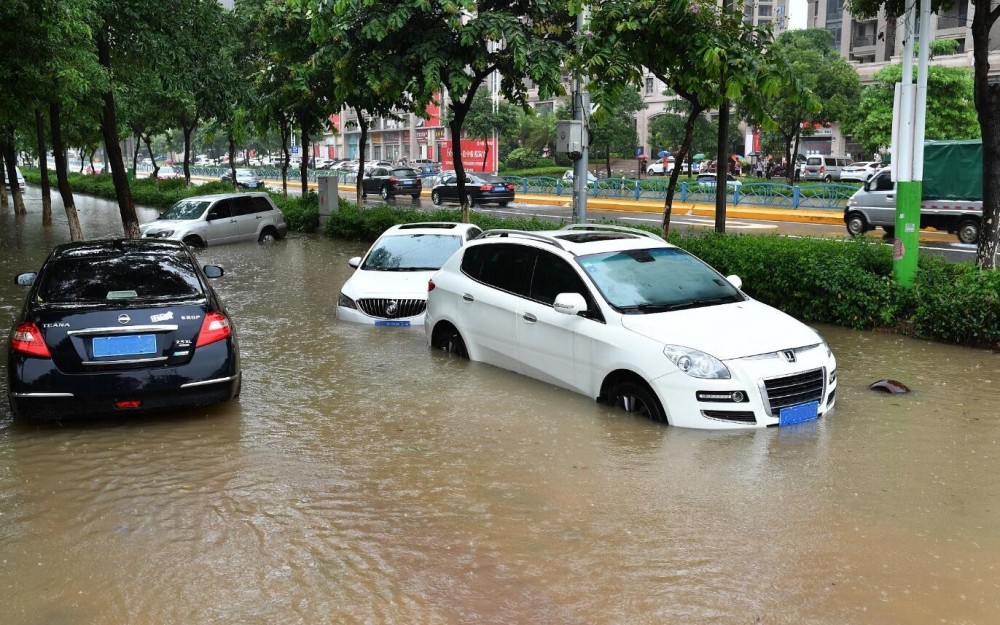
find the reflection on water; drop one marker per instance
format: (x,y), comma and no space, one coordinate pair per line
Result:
(363,478)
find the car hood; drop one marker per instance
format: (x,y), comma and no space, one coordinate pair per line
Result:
(394,284)
(166,224)
(726,331)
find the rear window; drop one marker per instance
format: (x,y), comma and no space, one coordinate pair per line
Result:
(814,160)
(405,173)
(123,278)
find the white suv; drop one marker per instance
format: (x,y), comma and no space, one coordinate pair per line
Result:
(622,316)
(217,219)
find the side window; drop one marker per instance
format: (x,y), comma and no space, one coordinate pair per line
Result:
(553,276)
(472,233)
(830,162)
(451,180)
(506,267)
(883,183)
(472,261)
(242,206)
(260,204)
(220,210)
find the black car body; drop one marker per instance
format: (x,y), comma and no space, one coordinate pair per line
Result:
(389,182)
(480,188)
(126,325)
(245,179)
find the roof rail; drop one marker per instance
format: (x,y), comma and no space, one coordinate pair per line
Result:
(504,232)
(613,228)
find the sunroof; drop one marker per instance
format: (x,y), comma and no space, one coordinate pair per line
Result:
(589,237)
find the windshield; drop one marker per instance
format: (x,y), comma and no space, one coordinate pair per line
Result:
(657,280)
(186,209)
(405,173)
(413,252)
(120,278)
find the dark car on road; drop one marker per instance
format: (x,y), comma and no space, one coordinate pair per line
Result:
(245,179)
(120,326)
(388,182)
(479,188)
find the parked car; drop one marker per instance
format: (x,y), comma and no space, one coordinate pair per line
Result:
(389,287)
(622,316)
(860,172)
(659,168)
(206,220)
(708,182)
(480,189)
(120,326)
(388,182)
(826,168)
(245,179)
(20,178)
(568,177)
(167,173)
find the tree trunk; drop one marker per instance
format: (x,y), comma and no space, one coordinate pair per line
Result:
(456,122)
(62,178)
(722,169)
(112,151)
(358,184)
(135,156)
(43,168)
(988,110)
(286,132)
(668,204)
(304,165)
(148,140)
(188,130)
(232,159)
(4,202)
(793,166)
(10,158)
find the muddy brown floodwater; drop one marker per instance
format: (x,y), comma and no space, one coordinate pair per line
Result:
(362,478)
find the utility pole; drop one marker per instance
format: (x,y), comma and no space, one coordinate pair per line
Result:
(581,111)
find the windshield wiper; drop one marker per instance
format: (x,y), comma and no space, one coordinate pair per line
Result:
(655,308)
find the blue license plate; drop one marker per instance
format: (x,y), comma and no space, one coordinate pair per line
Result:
(128,345)
(499,187)
(798,414)
(392,322)
(407,182)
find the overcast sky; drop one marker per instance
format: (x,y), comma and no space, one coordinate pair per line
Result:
(797,10)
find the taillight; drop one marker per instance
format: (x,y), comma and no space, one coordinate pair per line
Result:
(510,187)
(485,187)
(393,179)
(214,328)
(430,286)
(28,340)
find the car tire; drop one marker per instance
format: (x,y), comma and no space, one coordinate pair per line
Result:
(449,340)
(416,197)
(504,204)
(194,242)
(857,225)
(890,232)
(828,178)
(968,230)
(650,172)
(636,397)
(470,200)
(268,235)
(384,193)
(435,198)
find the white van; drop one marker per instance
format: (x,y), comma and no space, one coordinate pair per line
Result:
(824,167)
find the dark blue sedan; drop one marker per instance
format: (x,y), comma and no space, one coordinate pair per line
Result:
(120,326)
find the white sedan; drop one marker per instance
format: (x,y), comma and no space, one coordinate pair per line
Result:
(860,172)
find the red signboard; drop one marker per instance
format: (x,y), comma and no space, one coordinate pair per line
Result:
(473,152)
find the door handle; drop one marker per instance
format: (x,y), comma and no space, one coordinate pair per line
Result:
(889,196)
(468,297)
(260,216)
(530,318)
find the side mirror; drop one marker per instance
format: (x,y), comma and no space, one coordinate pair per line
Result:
(735,281)
(570,304)
(25,279)
(213,271)
(354,262)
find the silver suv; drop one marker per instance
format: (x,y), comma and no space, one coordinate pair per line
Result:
(218,219)
(827,168)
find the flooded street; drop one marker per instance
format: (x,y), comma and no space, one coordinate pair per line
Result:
(362,478)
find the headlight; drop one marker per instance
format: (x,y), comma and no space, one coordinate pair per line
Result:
(346,302)
(695,363)
(161,234)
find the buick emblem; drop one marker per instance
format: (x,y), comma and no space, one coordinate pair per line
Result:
(392,308)
(124,319)
(788,355)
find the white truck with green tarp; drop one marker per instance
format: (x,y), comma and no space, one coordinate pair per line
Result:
(951,198)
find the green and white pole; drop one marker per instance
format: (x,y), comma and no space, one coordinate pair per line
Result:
(909,146)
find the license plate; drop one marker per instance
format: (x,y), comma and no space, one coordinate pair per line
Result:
(499,187)
(128,345)
(392,322)
(798,414)
(407,182)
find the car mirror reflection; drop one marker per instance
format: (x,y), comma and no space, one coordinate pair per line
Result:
(354,262)
(25,279)
(735,281)
(213,271)
(570,304)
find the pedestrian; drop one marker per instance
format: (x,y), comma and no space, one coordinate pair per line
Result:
(760,169)
(768,170)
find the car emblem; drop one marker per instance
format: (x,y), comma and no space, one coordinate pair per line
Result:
(124,319)
(788,355)
(392,308)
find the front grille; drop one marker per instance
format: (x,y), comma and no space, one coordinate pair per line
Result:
(793,390)
(388,308)
(736,416)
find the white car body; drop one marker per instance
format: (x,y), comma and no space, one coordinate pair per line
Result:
(656,168)
(569,176)
(384,290)
(860,172)
(20,178)
(208,220)
(584,343)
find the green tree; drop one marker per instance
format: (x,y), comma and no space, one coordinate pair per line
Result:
(484,122)
(950,111)
(987,99)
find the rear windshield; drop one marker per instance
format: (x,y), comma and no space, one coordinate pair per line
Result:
(186,209)
(814,160)
(414,252)
(124,278)
(405,173)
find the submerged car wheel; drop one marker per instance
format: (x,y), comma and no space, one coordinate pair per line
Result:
(194,242)
(451,341)
(268,235)
(436,198)
(636,398)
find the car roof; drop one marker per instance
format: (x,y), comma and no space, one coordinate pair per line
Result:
(218,196)
(579,239)
(103,247)
(430,227)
